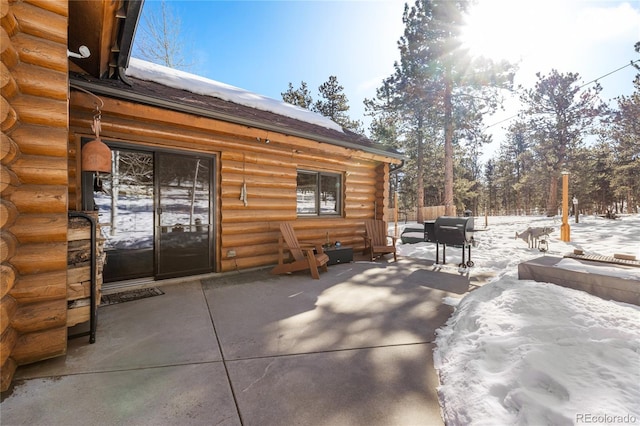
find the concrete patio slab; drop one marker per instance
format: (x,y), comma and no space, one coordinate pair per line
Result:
(352,348)
(378,386)
(353,305)
(195,394)
(171,329)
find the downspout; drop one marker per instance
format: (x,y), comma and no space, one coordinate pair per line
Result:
(393,168)
(127,33)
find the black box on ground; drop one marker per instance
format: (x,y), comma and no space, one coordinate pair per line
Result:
(339,255)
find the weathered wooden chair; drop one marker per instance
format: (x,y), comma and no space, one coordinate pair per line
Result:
(304,256)
(377,241)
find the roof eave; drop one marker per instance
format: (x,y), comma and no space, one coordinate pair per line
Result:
(191,109)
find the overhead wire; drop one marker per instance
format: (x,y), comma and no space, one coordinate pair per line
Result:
(595,80)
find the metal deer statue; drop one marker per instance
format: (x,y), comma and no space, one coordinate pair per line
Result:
(532,236)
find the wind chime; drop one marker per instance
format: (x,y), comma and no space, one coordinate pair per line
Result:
(96,155)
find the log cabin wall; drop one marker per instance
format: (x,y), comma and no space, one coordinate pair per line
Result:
(33,184)
(269,170)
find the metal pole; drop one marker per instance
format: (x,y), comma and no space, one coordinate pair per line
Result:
(395,212)
(93,296)
(565,229)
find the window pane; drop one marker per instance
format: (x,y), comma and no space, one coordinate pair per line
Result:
(306,193)
(126,214)
(329,190)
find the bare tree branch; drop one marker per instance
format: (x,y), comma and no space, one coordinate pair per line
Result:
(161,40)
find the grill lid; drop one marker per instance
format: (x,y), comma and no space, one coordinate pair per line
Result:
(454,230)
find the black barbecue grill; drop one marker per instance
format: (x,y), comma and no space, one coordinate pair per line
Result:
(456,232)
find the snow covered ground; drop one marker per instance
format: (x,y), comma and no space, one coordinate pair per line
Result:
(527,353)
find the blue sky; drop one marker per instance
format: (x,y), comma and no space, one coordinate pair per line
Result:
(261,46)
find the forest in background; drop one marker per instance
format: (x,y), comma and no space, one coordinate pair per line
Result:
(432,110)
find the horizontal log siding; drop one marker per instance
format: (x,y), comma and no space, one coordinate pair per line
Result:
(41,287)
(31,19)
(33,211)
(268,170)
(57,6)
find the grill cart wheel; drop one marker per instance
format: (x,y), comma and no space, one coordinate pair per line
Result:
(470,263)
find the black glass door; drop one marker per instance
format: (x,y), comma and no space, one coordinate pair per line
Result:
(125,203)
(155,213)
(183,219)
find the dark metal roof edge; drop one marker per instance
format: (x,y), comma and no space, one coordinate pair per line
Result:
(150,100)
(134,10)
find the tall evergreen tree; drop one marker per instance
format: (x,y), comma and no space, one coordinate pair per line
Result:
(560,114)
(490,186)
(299,97)
(386,124)
(516,150)
(505,180)
(334,104)
(436,85)
(625,134)
(602,182)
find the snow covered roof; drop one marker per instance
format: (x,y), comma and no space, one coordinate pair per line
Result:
(163,87)
(148,71)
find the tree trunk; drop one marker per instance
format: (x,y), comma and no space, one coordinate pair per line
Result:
(450,208)
(552,201)
(420,172)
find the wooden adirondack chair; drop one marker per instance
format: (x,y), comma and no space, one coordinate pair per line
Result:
(376,240)
(303,255)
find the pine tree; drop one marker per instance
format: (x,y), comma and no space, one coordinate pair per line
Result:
(437,86)
(385,127)
(334,104)
(300,96)
(505,180)
(516,149)
(602,171)
(490,186)
(625,134)
(559,114)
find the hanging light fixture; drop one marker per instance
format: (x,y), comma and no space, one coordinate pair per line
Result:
(96,155)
